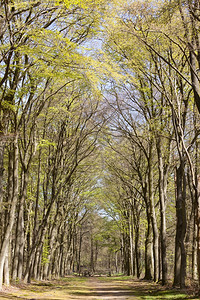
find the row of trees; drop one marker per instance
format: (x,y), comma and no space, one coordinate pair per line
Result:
(49,123)
(154,136)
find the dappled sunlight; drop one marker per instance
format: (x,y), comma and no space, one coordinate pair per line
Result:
(94,288)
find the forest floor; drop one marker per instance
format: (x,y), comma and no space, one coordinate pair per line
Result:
(99,288)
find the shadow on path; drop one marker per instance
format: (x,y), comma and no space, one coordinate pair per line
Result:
(94,288)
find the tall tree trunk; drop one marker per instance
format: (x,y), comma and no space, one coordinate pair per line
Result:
(153,217)
(1,190)
(6,272)
(96,255)
(131,244)
(136,223)
(194,76)
(92,253)
(194,249)
(20,236)
(13,202)
(21,226)
(148,248)
(162,192)
(2,147)
(16,250)
(79,251)
(180,255)
(61,266)
(198,227)
(194,65)
(137,251)
(116,262)
(52,249)
(125,253)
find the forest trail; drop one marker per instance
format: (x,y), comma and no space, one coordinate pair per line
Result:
(106,289)
(99,288)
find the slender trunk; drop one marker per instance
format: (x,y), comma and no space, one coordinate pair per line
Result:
(194,65)
(6,269)
(153,217)
(39,264)
(13,202)
(61,261)
(180,255)
(45,271)
(2,147)
(52,249)
(159,262)
(16,251)
(20,235)
(109,263)
(127,256)
(125,253)
(79,251)
(162,188)
(137,251)
(1,191)
(194,78)
(116,262)
(194,251)
(148,248)
(35,264)
(21,228)
(37,197)
(96,255)
(196,213)
(198,227)
(131,244)
(92,254)
(136,222)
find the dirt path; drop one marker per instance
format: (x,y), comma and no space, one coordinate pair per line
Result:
(99,288)
(87,288)
(111,290)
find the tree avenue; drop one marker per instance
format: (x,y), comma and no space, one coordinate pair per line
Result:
(99,140)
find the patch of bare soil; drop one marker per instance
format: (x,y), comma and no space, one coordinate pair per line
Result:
(7,292)
(111,290)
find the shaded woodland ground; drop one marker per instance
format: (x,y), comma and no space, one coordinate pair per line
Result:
(95,288)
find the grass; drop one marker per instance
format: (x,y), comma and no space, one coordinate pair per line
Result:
(55,289)
(115,278)
(94,288)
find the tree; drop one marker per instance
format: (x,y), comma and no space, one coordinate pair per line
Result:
(39,58)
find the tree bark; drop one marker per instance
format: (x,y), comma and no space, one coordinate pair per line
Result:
(131,244)
(198,227)
(2,147)
(92,253)
(180,255)
(148,248)
(153,218)
(194,249)
(162,192)
(20,235)
(6,269)
(13,202)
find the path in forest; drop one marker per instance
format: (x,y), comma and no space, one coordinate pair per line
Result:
(98,288)
(113,290)
(92,288)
